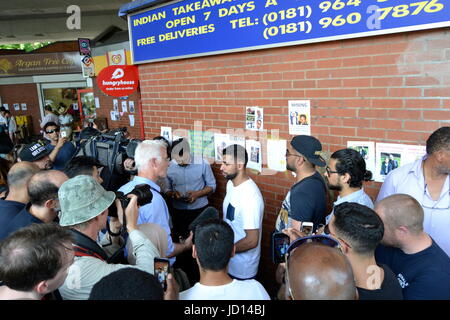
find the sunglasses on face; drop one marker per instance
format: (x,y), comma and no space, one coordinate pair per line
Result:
(52,131)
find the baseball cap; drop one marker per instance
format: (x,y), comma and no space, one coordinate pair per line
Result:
(33,152)
(310,148)
(81,199)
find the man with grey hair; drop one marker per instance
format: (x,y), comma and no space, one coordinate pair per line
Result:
(18,177)
(152,163)
(421,266)
(428,181)
(84,208)
(44,204)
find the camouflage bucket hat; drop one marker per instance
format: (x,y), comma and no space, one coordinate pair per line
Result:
(81,199)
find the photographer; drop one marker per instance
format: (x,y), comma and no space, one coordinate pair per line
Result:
(152,162)
(61,150)
(84,208)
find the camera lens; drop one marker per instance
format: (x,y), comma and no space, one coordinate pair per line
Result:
(143,193)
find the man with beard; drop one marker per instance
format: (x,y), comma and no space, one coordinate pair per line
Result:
(306,201)
(345,173)
(427,180)
(36,153)
(243,210)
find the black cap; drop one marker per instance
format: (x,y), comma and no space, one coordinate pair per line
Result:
(33,152)
(310,148)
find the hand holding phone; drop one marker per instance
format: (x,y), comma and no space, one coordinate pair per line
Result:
(280,244)
(161,271)
(307,228)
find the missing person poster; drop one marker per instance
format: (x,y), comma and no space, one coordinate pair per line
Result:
(254,118)
(367,150)
(221,141)
(166,132)
(300,117)
(390,156)
(253,148)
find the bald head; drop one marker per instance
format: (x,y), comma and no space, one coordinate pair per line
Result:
(319,272)
(44,186)
(20,173)
(401,210)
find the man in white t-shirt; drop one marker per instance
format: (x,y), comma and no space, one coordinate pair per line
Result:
(243,210)
(213,248)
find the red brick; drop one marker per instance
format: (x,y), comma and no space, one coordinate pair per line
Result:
(422,103)
(428,126)
(437,92)
(436,115)
(405,114)
(387,124)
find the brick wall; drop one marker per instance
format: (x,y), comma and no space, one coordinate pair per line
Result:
(392,88)
(23,93)
(106,106)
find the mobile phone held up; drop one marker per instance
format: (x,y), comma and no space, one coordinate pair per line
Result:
(161,271)
(307,228)
(279,244)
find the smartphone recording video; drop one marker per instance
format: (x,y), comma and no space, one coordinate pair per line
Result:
(307,228)
(161,271)
(280,244)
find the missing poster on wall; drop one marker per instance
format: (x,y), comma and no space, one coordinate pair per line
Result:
(116,105)
(300,117)
(166,132)
(131,105)
(253,148)
(124,106)
(254,118)
(221,141)
(24,106)
(390,156)
(97,102)
(367,150)
(5,105)
(16,106)
(131,117)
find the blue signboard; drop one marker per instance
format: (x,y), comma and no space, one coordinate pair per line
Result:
(192,28)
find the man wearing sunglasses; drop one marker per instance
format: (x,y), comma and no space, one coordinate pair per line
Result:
(428,181)
(421,266)
(61,150)
(306,200)
(359,230)
(316,270)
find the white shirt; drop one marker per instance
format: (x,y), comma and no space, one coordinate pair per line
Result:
(357,197)
(243,209)
(12,126)
(235,290)
(409,179)
(85,272)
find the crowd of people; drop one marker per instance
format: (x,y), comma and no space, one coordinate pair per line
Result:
(67,234)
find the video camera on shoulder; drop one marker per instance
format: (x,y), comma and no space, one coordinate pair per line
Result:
(143,193)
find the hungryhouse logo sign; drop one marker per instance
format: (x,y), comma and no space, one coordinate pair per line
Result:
(118,81)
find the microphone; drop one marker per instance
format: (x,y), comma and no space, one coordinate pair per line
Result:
(208,213)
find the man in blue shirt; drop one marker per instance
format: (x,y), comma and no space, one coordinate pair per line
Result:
(190,181)
(18,177)
(44,205)
(421,266)
(152,162)
(61,150)
(189,185)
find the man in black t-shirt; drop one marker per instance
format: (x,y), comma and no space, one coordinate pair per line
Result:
(359,230)
(306,201)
